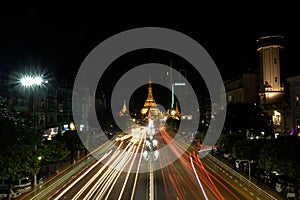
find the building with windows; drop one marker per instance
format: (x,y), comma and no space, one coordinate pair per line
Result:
(50,105)
(294,117)
(243,88)
(263,87)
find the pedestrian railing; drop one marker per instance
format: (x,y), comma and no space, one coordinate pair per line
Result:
(241,178)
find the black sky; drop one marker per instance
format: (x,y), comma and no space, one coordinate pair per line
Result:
(58,36)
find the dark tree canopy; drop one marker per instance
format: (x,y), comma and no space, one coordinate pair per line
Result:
(241,116)
(19,142)
(281,155)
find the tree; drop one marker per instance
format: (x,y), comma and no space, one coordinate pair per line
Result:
(281,155)
(53,151)
(227,140)
(72,141)
(248,149)
(19,143)
(248,118)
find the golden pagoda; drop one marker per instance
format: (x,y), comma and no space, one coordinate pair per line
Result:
(124,111)
(150,108)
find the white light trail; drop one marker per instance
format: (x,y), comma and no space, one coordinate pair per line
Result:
(130,168)
(138,168)
(79,178)
(201,187)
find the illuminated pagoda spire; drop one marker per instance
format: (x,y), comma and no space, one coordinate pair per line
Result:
(177,112)
(149,103)
(123,112)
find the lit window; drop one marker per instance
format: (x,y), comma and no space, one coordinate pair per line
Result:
(229,98)
(276,118)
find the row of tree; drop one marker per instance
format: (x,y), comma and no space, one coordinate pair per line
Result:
(23,150)
(19,154)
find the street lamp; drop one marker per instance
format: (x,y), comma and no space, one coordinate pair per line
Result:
(33,82)
(237,163)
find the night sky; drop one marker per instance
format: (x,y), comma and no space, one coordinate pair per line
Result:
(58,36)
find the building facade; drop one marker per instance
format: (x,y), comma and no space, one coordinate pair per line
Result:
(271,91)
(243,89)
(49,105)
(294,117)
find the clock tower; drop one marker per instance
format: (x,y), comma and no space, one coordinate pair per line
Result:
(271,91)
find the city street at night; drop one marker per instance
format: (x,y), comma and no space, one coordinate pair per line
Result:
(122,100)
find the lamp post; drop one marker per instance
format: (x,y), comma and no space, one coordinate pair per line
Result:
(151,156)
(32,82)
(237,163)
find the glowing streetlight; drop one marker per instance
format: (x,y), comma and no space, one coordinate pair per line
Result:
(31,81)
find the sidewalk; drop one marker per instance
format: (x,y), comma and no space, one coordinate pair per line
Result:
(254,179)
(51,169)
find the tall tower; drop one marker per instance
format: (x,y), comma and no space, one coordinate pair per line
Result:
(271,91)
(269,48)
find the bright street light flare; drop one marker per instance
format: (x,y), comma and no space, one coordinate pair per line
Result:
(29,81)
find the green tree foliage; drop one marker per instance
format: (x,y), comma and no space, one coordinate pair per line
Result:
(19,142)
(72,141)
(281,155)
(53,151)
(227,140)
(19,161)
(248,149)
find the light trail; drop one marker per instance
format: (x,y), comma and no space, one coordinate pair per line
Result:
(114,167)
(200,165)
(204,193)
(124,162)
(181,179)
(223,185)
(96,175)
(137,171)
(109,174)
(132,153)
(130,168)
(187,164)
(81,176)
